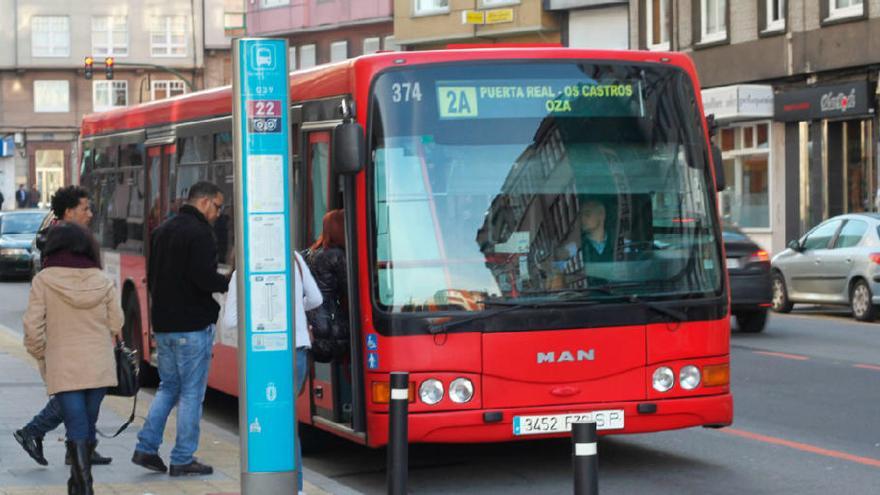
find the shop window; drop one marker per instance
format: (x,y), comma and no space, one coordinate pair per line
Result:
(746,199)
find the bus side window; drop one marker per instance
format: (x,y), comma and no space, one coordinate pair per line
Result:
(317,182)
(221,173)
(193,155)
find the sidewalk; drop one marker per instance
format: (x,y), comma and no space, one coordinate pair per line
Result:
(22,394)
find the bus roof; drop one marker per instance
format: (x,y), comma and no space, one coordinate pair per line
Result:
(338,79)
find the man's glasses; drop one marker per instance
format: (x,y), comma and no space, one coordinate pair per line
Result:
(220,208)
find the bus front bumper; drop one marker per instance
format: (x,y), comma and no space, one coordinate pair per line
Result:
(484,425)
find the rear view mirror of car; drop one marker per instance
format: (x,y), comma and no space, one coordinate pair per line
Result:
(795,245)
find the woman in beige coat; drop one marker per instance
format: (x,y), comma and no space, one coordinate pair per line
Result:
(71,320)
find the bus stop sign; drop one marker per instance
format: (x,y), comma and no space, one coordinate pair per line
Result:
(264,256)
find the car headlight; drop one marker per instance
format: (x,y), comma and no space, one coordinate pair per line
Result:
(13,252)
(461,390)
(689,377)
(664,379)
(431,391)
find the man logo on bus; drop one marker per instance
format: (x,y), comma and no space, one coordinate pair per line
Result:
(567,356)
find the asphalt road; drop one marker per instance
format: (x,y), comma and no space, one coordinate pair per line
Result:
(807,421)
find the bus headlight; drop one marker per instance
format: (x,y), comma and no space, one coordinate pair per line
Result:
(461,390)
(431,391)
(664,379)
(689,377)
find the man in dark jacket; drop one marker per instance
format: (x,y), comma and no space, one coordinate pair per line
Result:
(21,197)
(181,276)
(69,204)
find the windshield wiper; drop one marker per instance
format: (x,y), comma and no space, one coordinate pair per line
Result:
(506,307)
(609,289)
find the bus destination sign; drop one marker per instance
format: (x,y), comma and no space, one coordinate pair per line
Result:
(492,99)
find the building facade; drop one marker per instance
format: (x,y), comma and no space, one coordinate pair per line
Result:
(436,24)
(43,89)
(793,83)
(596,24)
(323,31)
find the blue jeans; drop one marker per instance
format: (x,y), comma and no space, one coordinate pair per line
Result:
(80,409)
(184,361)
(302,370)
(46,420)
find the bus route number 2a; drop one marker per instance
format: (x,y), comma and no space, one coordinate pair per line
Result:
(457,102)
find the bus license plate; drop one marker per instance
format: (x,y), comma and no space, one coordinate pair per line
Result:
(732,263)
(611,419)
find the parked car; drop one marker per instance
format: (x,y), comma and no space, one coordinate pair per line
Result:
(749,268)
(837,262)
(17,231)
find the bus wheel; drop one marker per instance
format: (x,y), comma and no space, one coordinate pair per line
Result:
(133,336)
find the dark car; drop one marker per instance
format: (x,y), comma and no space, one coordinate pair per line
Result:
(749,268)
(17,231)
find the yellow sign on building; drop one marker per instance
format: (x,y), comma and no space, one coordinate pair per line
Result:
(499,16)
(473,17)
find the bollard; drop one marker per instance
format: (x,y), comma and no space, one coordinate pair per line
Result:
(586,460)
(398,436)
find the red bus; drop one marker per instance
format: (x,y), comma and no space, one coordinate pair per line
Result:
(531,233)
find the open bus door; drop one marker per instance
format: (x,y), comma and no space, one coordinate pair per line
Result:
(159,160)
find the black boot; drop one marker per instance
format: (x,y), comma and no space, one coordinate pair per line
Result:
(75,482)
(97,459)
(82,464)
(31,444)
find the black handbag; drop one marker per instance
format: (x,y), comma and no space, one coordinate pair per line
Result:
(127,372)
(128,381)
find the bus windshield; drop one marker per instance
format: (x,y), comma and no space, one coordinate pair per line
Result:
(506,183)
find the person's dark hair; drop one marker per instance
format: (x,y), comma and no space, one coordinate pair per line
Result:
(66,198)
(203,189)
(73,238)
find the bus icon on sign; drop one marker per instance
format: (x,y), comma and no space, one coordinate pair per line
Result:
(262,58)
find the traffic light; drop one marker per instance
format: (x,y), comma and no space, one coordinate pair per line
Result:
(108,67)
(89,69)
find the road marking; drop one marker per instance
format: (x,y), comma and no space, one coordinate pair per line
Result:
(796,357)
(804,447)
(867,366)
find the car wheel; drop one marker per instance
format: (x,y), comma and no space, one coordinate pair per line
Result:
(861,301)
(752,321)
(781,303)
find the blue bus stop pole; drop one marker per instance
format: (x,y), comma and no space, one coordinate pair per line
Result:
(266,306)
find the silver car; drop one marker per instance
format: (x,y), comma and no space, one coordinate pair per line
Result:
(837,262)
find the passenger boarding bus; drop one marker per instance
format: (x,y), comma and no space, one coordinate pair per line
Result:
(531,233)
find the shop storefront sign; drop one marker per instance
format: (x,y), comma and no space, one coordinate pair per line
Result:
(739,102)
(499,16)
(823,102)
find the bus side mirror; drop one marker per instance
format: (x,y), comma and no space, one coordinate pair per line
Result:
(348,148)
(718,164)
